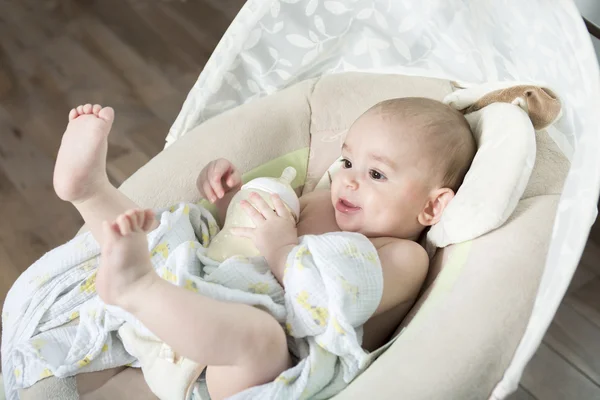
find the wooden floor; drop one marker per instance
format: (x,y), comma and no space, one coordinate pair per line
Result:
(142,57)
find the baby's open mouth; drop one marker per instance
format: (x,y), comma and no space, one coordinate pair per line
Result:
(346,207)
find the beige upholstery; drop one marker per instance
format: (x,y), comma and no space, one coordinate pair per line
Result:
(250,135)
(473,312)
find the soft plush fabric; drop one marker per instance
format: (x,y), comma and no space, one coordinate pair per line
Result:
(497,178)
(127,384)
(68,388)
(540,103)
(550,169)
(64,389)
(478,305)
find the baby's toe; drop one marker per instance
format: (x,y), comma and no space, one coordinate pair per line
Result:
(140,218)
(148,216)
(87,108)
(107,114)
(80,109)
(124,224)
(135,219)
(96,108)
(73,114)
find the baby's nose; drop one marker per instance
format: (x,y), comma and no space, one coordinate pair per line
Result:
(351,182)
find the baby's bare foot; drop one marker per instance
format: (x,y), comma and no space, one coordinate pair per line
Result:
(125,267)
(81,162)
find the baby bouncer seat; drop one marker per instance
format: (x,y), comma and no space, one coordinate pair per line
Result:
(283,86)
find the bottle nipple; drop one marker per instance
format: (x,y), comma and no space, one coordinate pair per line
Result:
(288,175)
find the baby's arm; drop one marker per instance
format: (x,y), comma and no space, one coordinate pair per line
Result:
(404,264)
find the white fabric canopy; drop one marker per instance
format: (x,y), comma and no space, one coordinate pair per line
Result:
(272,44)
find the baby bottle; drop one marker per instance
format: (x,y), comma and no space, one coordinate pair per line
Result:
(225,244)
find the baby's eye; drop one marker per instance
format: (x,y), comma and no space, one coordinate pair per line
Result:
(346,163)
(376,175)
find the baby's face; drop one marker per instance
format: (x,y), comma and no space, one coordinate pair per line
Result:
(384,182)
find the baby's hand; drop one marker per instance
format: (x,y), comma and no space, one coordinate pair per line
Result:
(275,230)
(217,178)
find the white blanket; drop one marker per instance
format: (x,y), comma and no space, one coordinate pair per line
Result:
(333,285)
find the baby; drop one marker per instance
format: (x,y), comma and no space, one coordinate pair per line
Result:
(403,160)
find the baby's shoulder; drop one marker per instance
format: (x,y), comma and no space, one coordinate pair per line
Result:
(404,265)
(402,254)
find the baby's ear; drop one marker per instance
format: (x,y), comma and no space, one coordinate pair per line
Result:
(435,206)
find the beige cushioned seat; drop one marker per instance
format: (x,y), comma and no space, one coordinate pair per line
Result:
(478,295)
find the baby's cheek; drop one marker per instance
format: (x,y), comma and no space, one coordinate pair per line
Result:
(412,193)
(410,201)
(404,205)
(335,183)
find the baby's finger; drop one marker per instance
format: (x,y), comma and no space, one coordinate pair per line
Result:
(219,169)
(233,178)
(209,193)
(280,208)
(261,205)
(217,188)
(243,232)
(252,212)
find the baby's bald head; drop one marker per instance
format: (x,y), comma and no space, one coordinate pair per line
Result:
(441,133)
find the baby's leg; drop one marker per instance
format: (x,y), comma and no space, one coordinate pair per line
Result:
(80,171)
(241,345)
